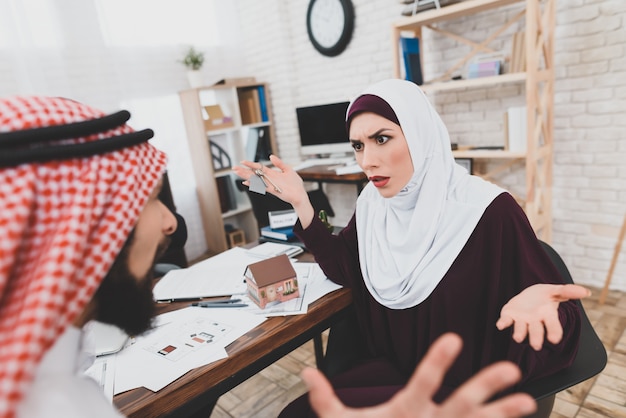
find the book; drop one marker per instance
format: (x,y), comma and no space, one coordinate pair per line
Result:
(262,104)
(412,61)
(283,234)
(518,53)
(252,144)
(294,242)
(249,105)
(516,124)
(226,193)
(483,69)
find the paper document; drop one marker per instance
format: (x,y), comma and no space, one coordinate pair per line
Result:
(317,284)
(183,340)
(272,249)
(295,306)
(313,285)
(220,275)
(103,372)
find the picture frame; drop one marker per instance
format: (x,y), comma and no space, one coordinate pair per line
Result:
(236,238)
(467,163)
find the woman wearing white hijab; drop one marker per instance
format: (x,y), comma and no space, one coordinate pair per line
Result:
(429,250)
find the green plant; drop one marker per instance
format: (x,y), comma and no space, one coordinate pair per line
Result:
(193,59)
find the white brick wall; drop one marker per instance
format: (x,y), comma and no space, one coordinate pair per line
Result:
(590,97)
(590,105)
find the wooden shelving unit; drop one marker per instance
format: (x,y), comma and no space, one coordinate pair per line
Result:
(244,116)
(538,78)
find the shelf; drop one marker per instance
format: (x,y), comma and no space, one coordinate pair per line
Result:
(474,82)
(240,209)
(452,11)
(221,131)
(256,124)
(488,154)
(215,187)
(537,18)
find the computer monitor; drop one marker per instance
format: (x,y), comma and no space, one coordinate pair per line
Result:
(323,129)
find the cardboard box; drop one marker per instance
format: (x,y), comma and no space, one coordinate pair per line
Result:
(272,281)
(216,119)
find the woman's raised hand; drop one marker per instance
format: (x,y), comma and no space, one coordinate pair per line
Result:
(282,181)
(534,312)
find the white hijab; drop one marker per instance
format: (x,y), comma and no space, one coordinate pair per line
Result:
(408,242)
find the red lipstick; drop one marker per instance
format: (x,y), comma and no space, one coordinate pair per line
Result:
(379,181)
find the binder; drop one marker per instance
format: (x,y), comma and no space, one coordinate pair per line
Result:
(252,144)
(263,104)
(226,193)
(249,105)
(412,60)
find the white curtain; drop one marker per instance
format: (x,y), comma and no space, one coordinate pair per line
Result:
(115,54)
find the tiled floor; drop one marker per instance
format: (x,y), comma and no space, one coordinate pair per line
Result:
(264,395)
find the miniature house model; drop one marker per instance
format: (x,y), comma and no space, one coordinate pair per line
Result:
(272,280)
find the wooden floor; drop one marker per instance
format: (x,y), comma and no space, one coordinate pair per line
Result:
(264,395)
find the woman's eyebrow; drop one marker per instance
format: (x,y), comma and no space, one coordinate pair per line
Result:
(377,133)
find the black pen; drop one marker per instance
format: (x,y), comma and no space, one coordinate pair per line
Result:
(219,305)
(173,300)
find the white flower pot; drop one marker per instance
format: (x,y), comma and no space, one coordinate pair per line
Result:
(195,78)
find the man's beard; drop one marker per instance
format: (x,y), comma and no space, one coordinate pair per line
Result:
(124,300)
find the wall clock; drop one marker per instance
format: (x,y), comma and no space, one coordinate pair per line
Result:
(329,24)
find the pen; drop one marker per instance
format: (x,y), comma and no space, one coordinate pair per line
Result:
(219,305)
(198,299)
(178,300)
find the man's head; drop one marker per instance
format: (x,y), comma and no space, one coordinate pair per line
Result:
(71,194)
(124,297)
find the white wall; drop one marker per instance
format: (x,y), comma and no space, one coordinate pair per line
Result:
(590,99)
(590,106)
(144,80)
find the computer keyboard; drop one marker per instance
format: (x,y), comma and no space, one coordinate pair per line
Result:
(312,162)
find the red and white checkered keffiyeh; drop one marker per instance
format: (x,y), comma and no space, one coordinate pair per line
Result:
(62,224)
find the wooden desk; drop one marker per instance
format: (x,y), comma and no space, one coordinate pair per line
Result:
(321,174)
(195,393)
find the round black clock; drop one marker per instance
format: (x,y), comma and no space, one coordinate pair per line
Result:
(329,24)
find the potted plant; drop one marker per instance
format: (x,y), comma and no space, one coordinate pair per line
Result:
(193,60)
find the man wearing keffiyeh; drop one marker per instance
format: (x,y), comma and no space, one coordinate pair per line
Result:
(80,233)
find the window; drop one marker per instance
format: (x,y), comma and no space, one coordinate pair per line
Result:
(32,23)
(145,23)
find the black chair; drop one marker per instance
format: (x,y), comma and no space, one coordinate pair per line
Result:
(590,359)
(262,204)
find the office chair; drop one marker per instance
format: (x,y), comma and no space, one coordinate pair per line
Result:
(590,359)
(262,204)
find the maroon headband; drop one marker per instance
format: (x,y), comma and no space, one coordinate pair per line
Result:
(371,103)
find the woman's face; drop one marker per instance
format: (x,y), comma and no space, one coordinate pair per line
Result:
(381,150)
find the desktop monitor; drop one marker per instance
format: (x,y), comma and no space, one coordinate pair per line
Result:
(323,129)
